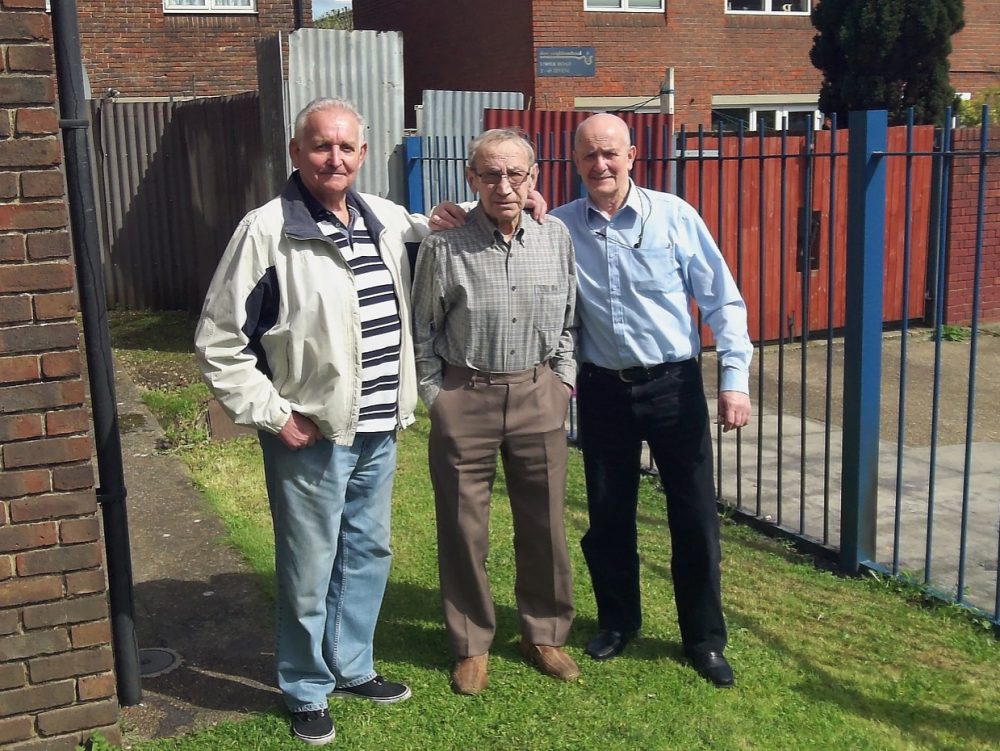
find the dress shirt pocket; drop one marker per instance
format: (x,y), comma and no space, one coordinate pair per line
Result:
(656,270)
(549,307)
(549,311)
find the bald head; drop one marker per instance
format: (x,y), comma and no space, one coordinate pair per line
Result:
(603,154)
(601,124)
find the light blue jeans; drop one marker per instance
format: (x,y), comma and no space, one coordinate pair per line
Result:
(331,511)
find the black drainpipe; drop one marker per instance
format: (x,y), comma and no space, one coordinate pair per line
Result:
(93,304)
(299,20)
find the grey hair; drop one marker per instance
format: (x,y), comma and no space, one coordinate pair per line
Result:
(328,103)
(500,135)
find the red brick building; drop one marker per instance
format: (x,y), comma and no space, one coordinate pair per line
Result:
(180,48)
(733,59)
(975,63)
(56,669)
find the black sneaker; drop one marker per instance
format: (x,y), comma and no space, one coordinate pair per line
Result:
(315,728)
(378,690)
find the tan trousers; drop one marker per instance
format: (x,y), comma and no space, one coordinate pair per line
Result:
(521,416)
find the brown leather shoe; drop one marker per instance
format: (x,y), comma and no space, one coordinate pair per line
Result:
(469,675)
(551,661)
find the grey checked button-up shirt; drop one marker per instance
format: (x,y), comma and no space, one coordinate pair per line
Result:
(483,304)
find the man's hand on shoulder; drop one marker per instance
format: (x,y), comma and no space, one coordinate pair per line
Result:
(734,410)
(299,432)
(447,215)
(537,206)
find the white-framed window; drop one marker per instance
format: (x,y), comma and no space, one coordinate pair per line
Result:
(209,6)
(632,6)
(780,7)
(769,118)
(768,112)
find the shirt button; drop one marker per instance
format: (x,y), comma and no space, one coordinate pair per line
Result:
(513,351)
(513,287)
(514,319)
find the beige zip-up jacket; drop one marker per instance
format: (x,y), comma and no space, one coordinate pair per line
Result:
(280,330)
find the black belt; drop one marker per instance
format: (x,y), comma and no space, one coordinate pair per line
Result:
(638,374)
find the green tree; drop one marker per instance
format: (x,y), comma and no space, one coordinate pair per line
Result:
(336,19)
(885,54)
(970,113)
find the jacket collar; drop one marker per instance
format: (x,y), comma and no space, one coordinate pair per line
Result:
(299,209)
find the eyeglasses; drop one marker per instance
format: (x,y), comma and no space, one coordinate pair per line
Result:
(515,178)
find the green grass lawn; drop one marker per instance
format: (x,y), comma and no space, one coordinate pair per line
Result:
(822,662)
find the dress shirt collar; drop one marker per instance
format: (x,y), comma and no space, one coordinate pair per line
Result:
(597,219)
(486,224)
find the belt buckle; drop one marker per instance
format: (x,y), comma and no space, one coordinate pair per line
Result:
(623,371)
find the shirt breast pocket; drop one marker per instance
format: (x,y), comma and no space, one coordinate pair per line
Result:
(550,307)
(656,270)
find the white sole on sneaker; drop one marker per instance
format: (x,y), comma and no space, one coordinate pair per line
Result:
(342,694)
(318,740)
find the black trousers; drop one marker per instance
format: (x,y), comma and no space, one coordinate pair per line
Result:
(670,413)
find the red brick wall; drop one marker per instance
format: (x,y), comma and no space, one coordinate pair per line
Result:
(974,62)
(711,53)
(141,51)
(962,232)
(56,680)
(467,45)
(490,46)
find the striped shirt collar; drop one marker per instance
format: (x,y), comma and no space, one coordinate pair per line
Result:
(298,221)
(319,212)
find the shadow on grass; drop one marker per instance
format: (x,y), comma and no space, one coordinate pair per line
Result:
(411,628)
(167,331)
(411,631)
(921,720)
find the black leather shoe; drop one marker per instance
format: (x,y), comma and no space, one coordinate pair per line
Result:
(608,643)
(712,666)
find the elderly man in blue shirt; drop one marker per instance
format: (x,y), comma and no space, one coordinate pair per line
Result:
(642,256)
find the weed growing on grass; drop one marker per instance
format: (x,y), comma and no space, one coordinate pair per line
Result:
(910,586)
(96,742)
(181,413)
(952,333)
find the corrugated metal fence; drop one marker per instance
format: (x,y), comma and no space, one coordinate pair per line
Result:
(367,68)
(173,179)
(449,119)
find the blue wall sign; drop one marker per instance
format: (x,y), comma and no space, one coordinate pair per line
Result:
(566,61)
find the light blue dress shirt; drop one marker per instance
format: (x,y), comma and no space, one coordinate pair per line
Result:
(636,275)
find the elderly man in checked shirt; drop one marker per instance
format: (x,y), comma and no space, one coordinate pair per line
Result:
(493,306)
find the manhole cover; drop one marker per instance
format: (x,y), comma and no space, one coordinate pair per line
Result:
(155,661)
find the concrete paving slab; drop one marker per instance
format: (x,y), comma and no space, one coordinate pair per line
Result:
(193,594)
(812,507)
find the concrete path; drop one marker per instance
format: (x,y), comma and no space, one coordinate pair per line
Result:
(193,594)
(816,512)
